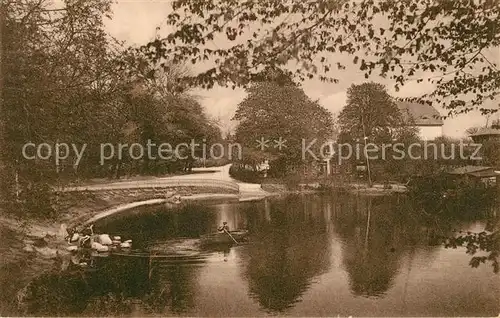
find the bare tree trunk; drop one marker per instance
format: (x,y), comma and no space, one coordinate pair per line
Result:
(118,169)
(76,176)
(18,188)
(3,149)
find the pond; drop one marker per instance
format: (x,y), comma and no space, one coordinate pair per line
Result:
(308,255)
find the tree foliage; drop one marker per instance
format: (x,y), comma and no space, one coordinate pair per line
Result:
(402,40)
(370,111)
(278,111)
(66,80)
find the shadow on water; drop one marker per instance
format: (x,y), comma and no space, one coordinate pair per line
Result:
(365,245)
(158,277)
(149,225)
(117,285)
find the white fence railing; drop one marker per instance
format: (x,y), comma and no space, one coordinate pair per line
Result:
(156,184)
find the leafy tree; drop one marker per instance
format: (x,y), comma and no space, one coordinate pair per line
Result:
(274,110)
(402,40)
(57,64)
(490,153)
(371,112)
(163,110)
(66,80)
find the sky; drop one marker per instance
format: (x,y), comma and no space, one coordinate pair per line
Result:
(136,21)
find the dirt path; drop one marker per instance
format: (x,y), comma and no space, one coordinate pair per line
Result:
(201,177)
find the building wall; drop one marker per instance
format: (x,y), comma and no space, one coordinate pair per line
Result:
(430,132)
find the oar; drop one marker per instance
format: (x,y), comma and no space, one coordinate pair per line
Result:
(231,236)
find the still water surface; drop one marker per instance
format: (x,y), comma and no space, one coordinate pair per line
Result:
(310,255)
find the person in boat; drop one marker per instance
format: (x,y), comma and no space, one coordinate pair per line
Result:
(224,227)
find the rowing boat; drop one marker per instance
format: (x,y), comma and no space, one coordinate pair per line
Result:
(224,237)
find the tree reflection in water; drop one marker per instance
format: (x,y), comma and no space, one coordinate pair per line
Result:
(370,256)
(74,292)
(292,249)
(172,289)
(120,285)
(376,233)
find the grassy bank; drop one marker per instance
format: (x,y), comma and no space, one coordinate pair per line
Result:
(280,186)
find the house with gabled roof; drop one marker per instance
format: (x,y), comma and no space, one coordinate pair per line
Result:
(424,117)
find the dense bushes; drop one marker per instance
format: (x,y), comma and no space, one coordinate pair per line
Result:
(443,195)
(291,181)
(245,175)
(211,163)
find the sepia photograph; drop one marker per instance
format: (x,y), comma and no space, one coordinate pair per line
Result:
(249,158)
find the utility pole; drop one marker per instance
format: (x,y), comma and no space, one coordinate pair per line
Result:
(365,152)
(3,166)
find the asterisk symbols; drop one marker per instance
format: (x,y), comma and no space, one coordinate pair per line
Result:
(264,143)
(280,143)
